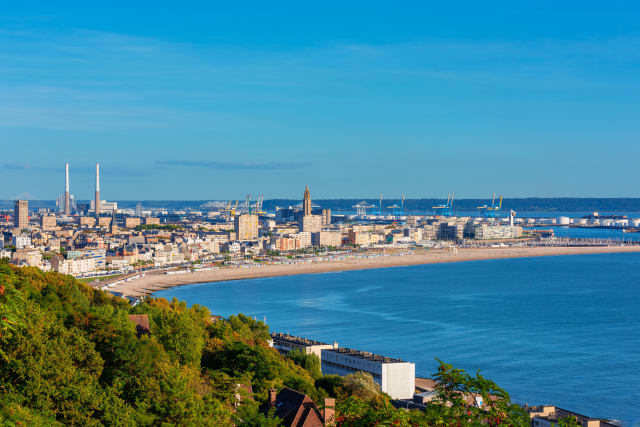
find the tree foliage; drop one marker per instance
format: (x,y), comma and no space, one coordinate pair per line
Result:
(310,362)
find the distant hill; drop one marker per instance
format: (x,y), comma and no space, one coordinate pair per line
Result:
(530,204)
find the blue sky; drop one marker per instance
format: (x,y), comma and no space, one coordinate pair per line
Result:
(187,100)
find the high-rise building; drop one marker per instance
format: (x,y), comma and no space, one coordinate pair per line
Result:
(98,205)
(67,199)
(21,214)
(326,216)
(246,227)
(307,201)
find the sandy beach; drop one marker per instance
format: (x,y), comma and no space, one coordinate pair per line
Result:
(154,282)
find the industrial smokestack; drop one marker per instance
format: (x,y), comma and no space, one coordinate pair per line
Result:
(98,204)
(67,201)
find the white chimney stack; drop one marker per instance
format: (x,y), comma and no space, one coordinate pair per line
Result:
(98,205)
(97,176)
(67,201)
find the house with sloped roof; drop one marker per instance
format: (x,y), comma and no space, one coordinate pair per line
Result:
(296,409)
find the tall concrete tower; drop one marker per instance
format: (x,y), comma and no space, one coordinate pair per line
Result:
(21,214)
(98,204)
(67,200)
(306,204)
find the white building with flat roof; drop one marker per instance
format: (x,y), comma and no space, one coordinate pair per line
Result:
(285,343)
(21,242)
(396,377)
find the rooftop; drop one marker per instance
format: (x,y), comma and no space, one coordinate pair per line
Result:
(367,355)
(295,340)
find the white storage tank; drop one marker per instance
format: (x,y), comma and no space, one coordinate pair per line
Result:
(563,220)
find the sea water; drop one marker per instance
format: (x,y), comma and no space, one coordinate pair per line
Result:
(562,330)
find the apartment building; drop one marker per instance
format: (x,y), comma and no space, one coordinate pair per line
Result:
(30,257)
(75,267)
(21,214)
(396,377)
(104,221)
(490,232)
(360,238)
(326,216)
(246,227)
(152,220)
(86,221)
(304,237)
(131,222)
(48,222)
(327,238)
(311,223)
(285,244)
(21,241)
(99,256)
(285,343)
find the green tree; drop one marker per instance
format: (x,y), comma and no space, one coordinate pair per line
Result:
(310,362)
(458,394)
(330,384)
(361,385)
(568,421)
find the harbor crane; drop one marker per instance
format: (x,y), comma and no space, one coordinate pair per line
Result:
(361,208)
(492,211)
(259,201)
(446,209)
(233,211)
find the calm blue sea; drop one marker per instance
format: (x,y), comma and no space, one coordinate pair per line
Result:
(562,330)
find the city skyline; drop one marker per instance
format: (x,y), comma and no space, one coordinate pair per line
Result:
(353,100)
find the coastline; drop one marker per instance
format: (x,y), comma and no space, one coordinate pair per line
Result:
(151,283)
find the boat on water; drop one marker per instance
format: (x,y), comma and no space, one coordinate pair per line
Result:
(631,230)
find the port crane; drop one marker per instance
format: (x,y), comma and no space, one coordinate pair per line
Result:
(446,209)
(491,211)
(232,212)
(259,201)
(361,208)
(396,209)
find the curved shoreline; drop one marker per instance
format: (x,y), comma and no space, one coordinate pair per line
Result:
(156,282)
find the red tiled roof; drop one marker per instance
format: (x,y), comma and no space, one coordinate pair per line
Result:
(142,324)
